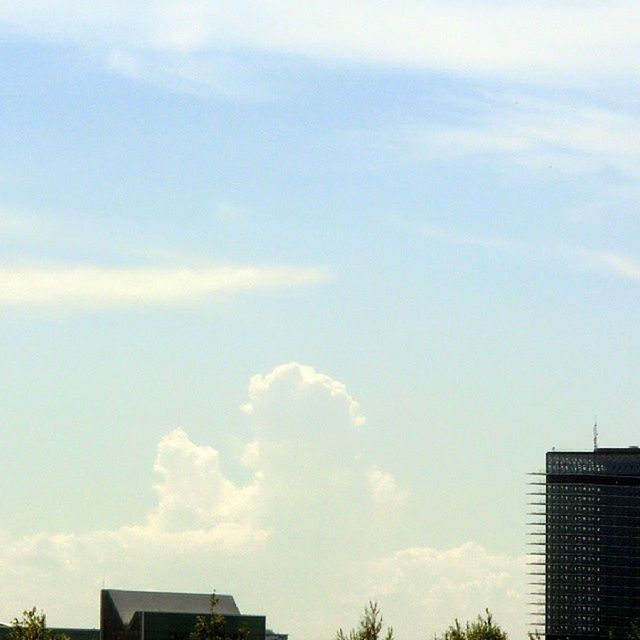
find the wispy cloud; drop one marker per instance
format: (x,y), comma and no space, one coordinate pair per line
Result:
(96,286)
(617,264)
(188,72)
(562,135)
(227,212)
(523,38)
(611,262)
(19,225)
(472,240)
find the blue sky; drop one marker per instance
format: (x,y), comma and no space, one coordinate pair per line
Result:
(298,294)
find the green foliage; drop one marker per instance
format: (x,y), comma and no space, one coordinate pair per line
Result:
(480,629)
(634,630)
(214,626)
(370,627)
(33,626)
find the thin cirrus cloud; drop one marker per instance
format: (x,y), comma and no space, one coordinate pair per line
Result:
(617,264)
(565,40)
(561,135)
(607,262)
(97,286)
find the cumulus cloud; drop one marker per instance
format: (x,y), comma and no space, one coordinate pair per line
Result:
(386,493)
(193,492)
(429,588)
(303,381)
(104,286)
(306,448)
(304,527)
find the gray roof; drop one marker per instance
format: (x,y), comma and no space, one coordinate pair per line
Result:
(128,602)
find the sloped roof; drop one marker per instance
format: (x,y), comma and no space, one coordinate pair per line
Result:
(128,602)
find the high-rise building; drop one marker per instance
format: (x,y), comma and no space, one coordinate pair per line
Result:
(585,540)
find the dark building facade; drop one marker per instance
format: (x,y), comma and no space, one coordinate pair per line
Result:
(586,544)
(153,615)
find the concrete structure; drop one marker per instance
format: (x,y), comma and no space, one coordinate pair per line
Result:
(586,544)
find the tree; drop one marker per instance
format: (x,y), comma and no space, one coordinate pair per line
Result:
(633,632)
(370,627)
(215,626)
(33,626)
(480,629)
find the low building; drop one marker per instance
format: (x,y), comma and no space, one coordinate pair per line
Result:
(71,633)
(153,615)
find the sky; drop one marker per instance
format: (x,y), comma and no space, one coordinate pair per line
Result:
(294,295)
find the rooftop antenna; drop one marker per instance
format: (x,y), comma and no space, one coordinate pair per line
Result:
(595,433)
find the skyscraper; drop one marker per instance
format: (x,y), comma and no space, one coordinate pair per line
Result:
(585,541)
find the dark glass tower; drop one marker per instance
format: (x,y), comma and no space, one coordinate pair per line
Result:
(586,541)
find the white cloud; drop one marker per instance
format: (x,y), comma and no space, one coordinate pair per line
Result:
(428,588)
(251,454)
(193,492)
(307,499)
(104,286)
(18,225)
(302,528)
(387,495)
(609,262)
(471,240)
(182,72)
(526,38)
(227,212)
(306,430)
(564,136)
(300,379)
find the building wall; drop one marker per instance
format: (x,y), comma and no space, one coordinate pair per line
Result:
(111,626)
(178,626)
(592,544)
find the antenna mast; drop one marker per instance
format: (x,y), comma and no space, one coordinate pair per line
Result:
(595,434)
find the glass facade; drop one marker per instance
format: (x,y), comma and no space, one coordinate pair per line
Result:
(154,615)
(586,540)
(153,625)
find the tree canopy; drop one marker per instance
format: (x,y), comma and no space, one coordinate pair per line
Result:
(483,628)
(370,626)
(215,626)
(33,626)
